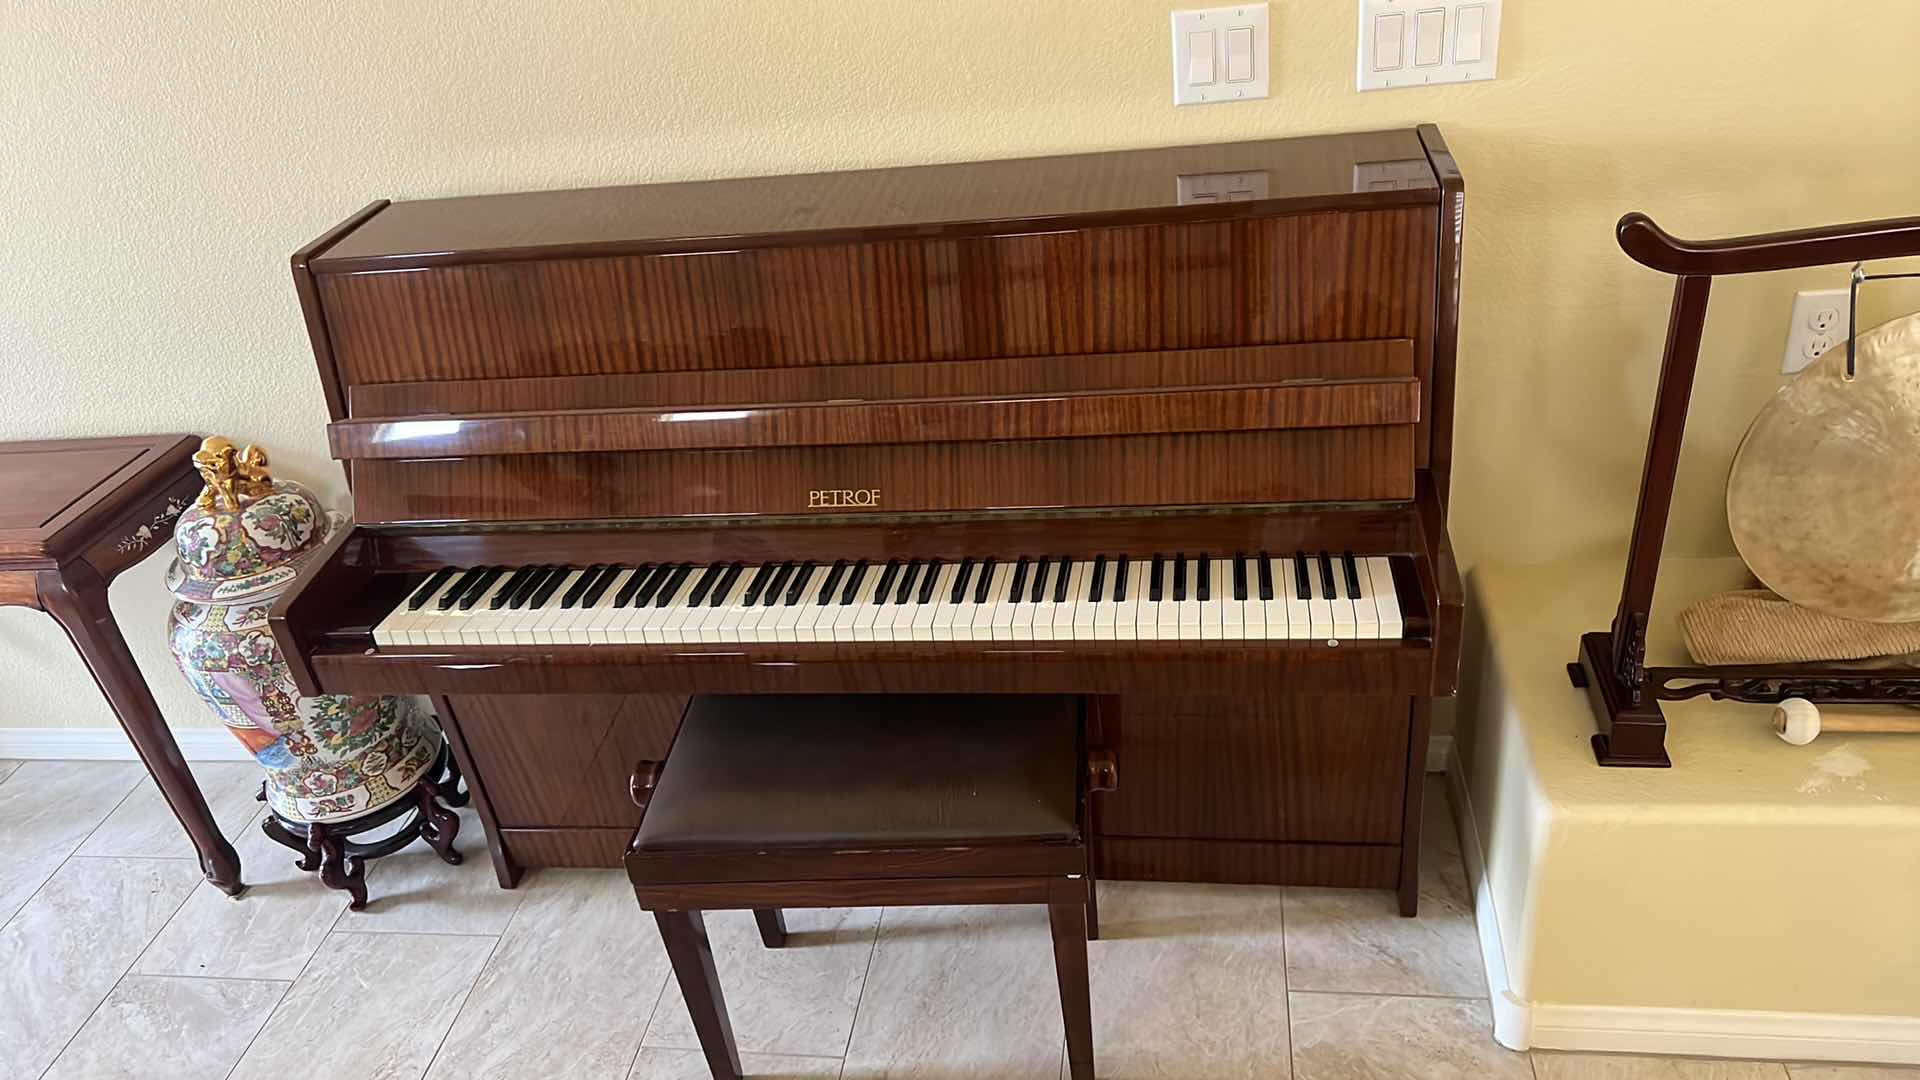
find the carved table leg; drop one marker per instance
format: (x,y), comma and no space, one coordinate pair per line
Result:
(76,597)
(438,825)
(338,869)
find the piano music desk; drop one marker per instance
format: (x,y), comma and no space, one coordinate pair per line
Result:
(74,513)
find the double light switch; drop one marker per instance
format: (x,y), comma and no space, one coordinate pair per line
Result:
(1424,42)
(1220,54)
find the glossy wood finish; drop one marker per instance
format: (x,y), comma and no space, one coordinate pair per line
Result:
(918,202)
(1051,355)
(1348,403)
(74,513)
(1611,665)
(1366,464)
(1001,375)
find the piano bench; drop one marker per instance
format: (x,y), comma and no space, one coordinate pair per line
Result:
(769,802)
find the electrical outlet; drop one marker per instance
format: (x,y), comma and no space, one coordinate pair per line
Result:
(1819,323)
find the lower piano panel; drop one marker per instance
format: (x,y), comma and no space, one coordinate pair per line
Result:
(1302,790)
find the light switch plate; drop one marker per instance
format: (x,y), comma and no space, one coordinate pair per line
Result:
(1220,54)
(1427,42)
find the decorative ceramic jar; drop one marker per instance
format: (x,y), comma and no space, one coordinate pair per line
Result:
(328,759)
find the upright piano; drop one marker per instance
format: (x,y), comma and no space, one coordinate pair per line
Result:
(1168,428)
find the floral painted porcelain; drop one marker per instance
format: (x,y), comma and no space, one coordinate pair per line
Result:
(327,758)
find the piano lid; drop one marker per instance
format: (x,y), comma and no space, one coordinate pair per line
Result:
(1386,168)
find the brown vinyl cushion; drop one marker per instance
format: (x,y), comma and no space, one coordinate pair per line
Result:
(760,771)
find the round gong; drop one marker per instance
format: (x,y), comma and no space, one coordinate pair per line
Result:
(1824,499)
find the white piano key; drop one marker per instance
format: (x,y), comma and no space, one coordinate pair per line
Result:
(1028,608)
(1319,606)
(536,625)
(1386,601)
(869,601)
(1344,625)
(786,623)
(1005,609)
(1223,604)
(675,628)
(1273,611)
(446,626)
(1134,618)
(662,624)
(736,613)
(1167,612)
(846,614)
(1286,583)
(1106,613)
(891,610)
(476,628)
(601,613)
(815,622)
(921,626)
(714,627)
(397,628)
(946,613)
(1366,615)
(1076,622)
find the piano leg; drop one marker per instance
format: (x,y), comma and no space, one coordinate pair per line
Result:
(505,870)
(1422,726)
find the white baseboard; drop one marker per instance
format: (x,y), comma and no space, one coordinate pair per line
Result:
(110,744)
(1439,752)
(1519,1024)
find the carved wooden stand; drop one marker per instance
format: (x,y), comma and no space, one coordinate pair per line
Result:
(1625,694)
(329,847)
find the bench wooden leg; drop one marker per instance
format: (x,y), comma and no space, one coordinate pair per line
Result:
(773,927)
(1070,966)
(685,934)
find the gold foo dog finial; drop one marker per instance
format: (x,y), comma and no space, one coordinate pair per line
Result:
(231,474)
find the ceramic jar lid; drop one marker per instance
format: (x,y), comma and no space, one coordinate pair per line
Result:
(248,535)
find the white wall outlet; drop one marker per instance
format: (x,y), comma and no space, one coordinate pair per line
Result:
(1220,54)
(1427,42)
(1819,323)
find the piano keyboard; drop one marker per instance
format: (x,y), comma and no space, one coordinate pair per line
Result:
(1161,597)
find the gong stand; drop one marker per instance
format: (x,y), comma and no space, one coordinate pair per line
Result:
(329,847)
(1625,694)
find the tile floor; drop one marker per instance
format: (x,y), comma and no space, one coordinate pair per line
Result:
(116,961)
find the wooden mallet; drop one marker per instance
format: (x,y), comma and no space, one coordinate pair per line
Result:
(1798,721)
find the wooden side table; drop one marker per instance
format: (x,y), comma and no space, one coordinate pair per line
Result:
(74,513)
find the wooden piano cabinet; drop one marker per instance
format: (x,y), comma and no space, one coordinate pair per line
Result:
(1264,790)
(553,771)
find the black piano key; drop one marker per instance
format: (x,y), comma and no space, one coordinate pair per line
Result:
(724,587)
(985,581)
(1239,575)
(903,591)
(885,588)
(1061,578)
(960,579)
(425,592)
(1154,589)
(1179,576)
(799,583)
(927,583)
(708,578)
(458,589)
(1039,581)
(656,577)
(1018,587)
(1120,566)
(639,578)
(523,592)
(1326,577)
(472,594)
(674,581)
(1302,585)
(855,576)
(599,588)
(571,598)
(1353,575)
(1265,562)
(505,592)
(1097,586)
(548,587)
(1205,587)
(761,574)
(834,573)
(776,589)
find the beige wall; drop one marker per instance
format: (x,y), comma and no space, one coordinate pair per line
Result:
(161,160)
